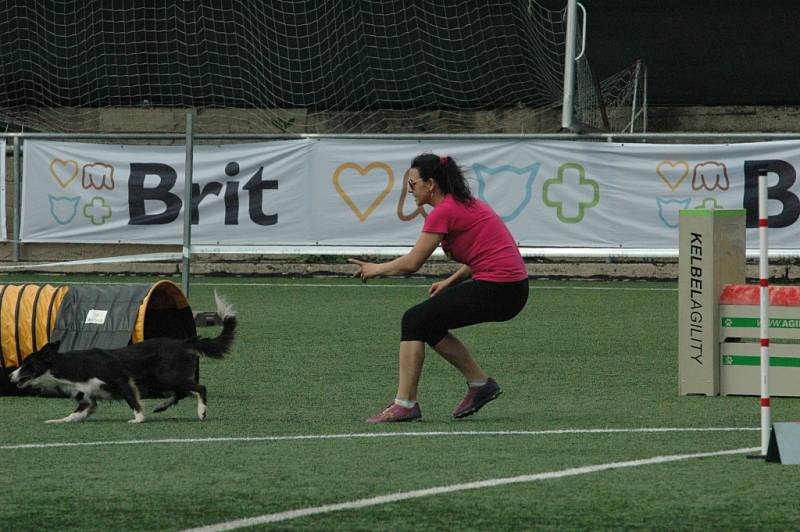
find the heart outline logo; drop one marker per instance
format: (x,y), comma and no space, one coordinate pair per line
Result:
(673,186)
(403,193)
(56,173)
(362,216)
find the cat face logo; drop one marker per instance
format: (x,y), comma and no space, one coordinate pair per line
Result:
(63,208)
(508,182)
(669,209)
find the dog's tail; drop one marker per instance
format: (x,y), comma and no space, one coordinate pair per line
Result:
(218,347)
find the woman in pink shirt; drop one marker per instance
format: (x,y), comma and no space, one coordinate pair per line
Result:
(470,232)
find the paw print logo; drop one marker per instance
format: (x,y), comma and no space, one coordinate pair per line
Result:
(727,322)
(98,176)
(710,175)
(97,211)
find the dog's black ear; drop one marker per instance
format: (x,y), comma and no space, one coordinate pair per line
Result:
(51,347)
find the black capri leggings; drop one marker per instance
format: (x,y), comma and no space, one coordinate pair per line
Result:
(464,304)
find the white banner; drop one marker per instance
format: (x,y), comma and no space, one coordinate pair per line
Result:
(92,193)
(352,192)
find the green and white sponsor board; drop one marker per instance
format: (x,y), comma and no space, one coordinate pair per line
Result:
(740,350)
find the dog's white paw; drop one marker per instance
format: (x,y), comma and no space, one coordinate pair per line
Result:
(138,417)
(72,418)
(202,412)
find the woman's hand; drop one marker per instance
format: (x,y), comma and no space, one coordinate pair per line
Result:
(437,287)
(366,270)
(462,273)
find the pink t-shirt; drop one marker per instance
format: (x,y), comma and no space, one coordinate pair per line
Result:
(476,236)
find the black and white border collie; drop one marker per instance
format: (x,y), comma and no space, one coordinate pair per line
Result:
(162,366)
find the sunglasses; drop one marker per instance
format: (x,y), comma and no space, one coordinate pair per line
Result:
(412,184)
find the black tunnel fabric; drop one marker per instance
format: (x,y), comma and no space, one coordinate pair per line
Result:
(98,316)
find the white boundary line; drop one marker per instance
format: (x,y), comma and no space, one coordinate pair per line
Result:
(356,435)
(149,257)
(395,497)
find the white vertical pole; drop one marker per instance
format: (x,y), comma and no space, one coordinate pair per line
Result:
(635,94)
(569,65)
(187,203)
(644,98)
(17,201)
(763,273)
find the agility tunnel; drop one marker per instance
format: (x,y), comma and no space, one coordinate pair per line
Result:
(84,316)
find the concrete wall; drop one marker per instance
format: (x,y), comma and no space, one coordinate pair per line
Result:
(661,119)
(724,119)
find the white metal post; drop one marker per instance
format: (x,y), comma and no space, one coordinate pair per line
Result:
(569,65)
(636,73)
(17,170)
(644,99)
(187,203)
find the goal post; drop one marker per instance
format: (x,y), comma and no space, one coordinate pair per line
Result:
(289,67)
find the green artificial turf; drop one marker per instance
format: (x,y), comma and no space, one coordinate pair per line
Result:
(315,357)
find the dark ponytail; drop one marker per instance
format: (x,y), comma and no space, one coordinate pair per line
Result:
(446,173)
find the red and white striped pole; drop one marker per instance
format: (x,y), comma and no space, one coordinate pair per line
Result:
(763,273)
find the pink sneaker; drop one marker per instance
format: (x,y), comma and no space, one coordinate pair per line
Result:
(477,397)
(395,413)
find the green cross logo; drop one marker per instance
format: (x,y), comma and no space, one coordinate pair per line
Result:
(709,203)
(97,211)
(573,197)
